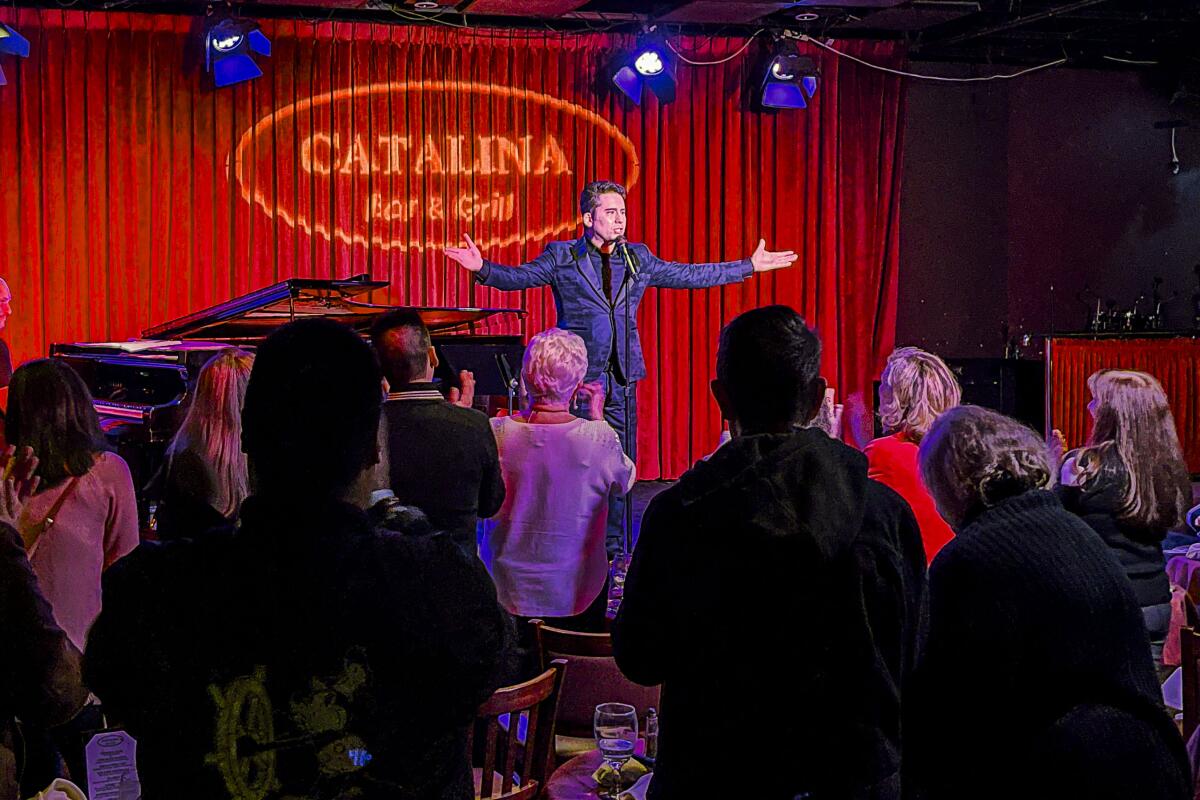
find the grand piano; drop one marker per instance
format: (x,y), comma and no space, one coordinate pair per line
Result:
(142,388)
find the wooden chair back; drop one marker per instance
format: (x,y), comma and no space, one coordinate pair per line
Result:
(594,679)
(517,723)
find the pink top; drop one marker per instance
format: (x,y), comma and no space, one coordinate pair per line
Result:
(545,549)
(96,525)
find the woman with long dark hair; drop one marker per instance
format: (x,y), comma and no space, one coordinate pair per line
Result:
(84,514)
(1131,485)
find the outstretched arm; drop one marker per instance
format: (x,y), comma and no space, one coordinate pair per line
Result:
(539,272)
(673,275)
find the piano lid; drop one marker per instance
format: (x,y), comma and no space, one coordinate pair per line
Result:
(252,317)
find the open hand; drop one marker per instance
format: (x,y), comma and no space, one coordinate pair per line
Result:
(765,260)
(1056,443)
(829,415)
(466,396)
(18,482)
(594,392)
(468,256)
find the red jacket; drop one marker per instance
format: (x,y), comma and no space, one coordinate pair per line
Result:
(892,460)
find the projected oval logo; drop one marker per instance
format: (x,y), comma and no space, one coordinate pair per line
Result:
(412,165)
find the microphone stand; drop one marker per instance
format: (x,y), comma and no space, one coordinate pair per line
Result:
(631,271)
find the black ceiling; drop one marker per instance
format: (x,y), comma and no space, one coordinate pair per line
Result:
(1003,32)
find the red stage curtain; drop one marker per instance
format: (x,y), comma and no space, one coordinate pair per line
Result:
(135,194)
(1175,362)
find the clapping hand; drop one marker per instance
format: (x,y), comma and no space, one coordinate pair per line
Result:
(1056,443)
(829,415)
(18,482)
(468,256)
(765,260)
(466,396)
(594,393)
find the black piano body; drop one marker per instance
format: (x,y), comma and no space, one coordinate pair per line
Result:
(141,388)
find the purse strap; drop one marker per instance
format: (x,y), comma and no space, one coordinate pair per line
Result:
(48,521)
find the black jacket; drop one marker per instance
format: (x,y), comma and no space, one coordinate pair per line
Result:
(40,679)
(1138,549)
(777,595)
(307,649)
(1037,661)
(442,459)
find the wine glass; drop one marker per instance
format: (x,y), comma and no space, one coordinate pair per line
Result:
(616,728)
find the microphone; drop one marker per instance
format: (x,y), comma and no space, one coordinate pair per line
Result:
(630,258)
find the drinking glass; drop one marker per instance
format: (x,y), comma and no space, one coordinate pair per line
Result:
(616,728)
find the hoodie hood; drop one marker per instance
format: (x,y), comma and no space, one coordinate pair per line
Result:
(802,484)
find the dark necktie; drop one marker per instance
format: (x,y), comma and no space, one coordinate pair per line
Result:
(606,268)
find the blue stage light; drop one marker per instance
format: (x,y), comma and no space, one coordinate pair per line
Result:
(647,65)
(11,44)
(791,79)
(228,45)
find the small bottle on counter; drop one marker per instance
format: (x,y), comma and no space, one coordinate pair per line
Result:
(651,735)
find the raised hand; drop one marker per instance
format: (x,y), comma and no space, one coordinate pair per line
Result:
(1056,445)
(465,397)
(19,467)
(829,415)
(17,483)
(468,256)
(765,260)
(594,392)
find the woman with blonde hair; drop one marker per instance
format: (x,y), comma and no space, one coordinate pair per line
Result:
(1034,624)
(916,387)
(545,549)
(1131,484)
(205,477)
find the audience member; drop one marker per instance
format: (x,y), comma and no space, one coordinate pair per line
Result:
(776,592)
(204,479)
(40,682)
(1131,485)
(443,456)
(1037,680)
(915,388)
(84,514)
(307,654)
(545,549)
(6,369)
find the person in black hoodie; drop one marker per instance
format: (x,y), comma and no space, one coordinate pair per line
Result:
(309,653)
(1036,680)
(776,593)
(1131,485)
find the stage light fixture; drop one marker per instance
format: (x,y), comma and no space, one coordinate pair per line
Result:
(791,79)
(647,65)
(228,45)
(11,44)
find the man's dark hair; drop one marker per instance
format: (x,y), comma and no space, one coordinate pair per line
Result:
(310,420)
(589,198)
(50,409)
(767,360)
(402,342)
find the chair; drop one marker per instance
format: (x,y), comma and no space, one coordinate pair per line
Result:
(594,678)
(1189,641)
(518,726)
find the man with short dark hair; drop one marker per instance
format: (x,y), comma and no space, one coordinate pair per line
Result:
(776,592)
(442,457)
(307,653)
(598,281)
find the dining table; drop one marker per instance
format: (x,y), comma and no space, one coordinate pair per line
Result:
(573,780)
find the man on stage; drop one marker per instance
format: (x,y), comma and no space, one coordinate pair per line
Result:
(598,281)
